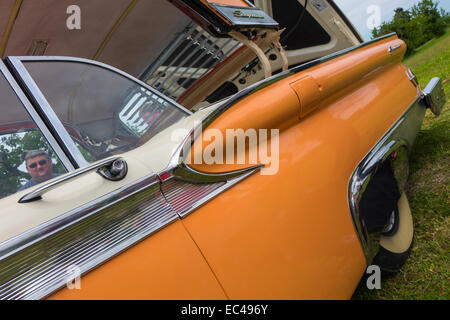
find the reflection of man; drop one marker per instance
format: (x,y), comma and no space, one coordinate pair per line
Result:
(39,166)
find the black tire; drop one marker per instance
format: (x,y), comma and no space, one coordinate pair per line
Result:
(395,247)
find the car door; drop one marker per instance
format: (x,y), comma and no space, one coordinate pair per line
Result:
(103,198)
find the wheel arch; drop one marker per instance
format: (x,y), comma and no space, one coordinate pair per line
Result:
(395,146)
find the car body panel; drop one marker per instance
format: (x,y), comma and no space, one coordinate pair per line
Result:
(251,232)
(247,234)
(167,267)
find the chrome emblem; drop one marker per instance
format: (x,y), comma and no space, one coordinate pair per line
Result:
(240,14)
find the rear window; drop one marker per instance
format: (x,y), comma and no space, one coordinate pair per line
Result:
(104,112)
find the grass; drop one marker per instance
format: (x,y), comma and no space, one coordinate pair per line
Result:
(426,273)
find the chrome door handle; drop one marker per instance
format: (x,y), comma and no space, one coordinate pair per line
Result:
(392,49)
(112,169)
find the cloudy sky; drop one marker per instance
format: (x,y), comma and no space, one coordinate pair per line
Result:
(363,12)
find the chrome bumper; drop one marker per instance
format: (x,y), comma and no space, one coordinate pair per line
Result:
(434,96)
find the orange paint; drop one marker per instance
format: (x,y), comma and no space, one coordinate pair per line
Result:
(165,266)
(290,235)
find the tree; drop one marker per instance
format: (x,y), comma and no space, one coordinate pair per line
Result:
(416,26)
(429,18)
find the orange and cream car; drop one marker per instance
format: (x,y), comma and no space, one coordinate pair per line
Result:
(287,187)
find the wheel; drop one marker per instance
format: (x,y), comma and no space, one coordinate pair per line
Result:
(396,244)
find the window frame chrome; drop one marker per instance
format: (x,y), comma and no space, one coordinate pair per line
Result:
(44,108)
(36,118)
(42,104)
(103,66)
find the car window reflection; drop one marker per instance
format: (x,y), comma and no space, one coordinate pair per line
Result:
(19,137)
(104,112)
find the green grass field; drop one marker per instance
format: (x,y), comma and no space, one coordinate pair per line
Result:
(426,273)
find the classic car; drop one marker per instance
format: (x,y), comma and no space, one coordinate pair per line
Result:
(270,167)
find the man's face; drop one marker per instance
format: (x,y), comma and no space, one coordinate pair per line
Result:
(40,168)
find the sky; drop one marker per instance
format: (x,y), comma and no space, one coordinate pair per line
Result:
(370,12)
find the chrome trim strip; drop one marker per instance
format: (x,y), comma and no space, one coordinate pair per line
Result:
(186,193)
(184,197)
(401,134)
(57,182)
(36,118)
(350,49)
(14,244)
(34,265)
(104,66)
(186,173)
(412,77)
(47,111)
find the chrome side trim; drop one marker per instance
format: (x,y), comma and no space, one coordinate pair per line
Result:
(192,189)
(35,264)
(184,197)
(14,244)
(401,135)
(57,182)
(412,77)
(188,174)
(36,118)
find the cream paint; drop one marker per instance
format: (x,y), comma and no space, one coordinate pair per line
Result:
(157,153)
(16,218)
(154,156)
